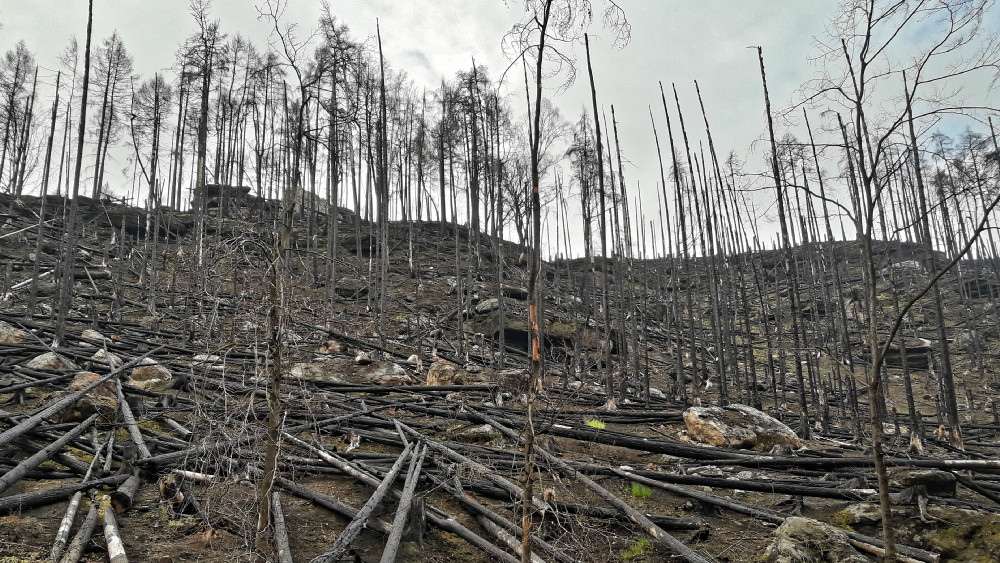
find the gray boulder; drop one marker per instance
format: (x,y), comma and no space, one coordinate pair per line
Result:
(738,426)
(50,361)
(804,540)
(10,334)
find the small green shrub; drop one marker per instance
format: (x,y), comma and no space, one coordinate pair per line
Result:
(640,491)
(599,424)
(638,549)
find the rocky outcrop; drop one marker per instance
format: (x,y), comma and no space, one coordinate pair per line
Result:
(804,540)
(487,306)
(737,426)
(388,373)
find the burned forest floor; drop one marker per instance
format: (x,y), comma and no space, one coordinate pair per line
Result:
(156,400)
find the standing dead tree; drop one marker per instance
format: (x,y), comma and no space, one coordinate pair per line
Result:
(293,50)
(884,83)
(69,248)
(560,22)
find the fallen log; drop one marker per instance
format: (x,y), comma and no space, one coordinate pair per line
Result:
(66,459)
(784,462)
(740,484)
(506,538)
(329,503)
(62,535)
(348,535)
(658,534)
(280,530)
(121,499)
(27,501)
(113,538)
(665,522)
(162,461)
(403,510)
(445,522)
(177,427)
(483,512)
(82,537)
(36,383)
(130,423)
(978,488)
(62,404)
(769,515)
(498,480)
(449,524)
(879,552)
(43,455)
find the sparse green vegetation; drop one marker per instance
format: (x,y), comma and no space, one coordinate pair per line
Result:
(641,491)
(636,550)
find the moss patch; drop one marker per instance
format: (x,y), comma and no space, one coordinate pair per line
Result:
(964,536)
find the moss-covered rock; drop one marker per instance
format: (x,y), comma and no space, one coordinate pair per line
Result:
(804,540)
(958,535)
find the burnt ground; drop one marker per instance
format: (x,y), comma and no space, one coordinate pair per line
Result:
(208,328)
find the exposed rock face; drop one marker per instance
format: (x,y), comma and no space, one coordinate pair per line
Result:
(10,334)
(938,483)
(445,373)
(737,426)
(51,361)
(102,399)
(346,370)
(804,540)
(153,377)
(959,535)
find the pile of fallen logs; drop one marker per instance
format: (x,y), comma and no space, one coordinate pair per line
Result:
(399,445)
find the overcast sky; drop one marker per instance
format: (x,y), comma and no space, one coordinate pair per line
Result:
(672,41)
